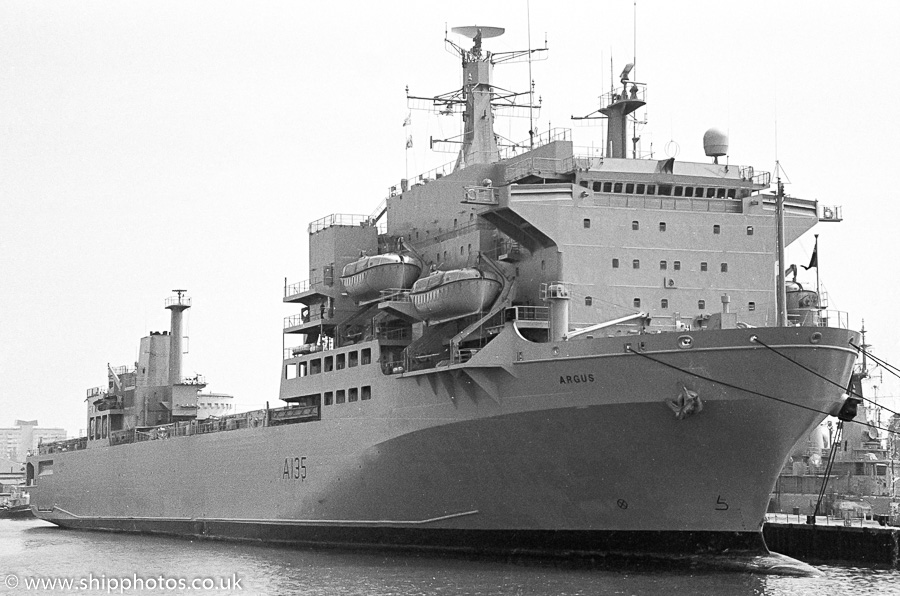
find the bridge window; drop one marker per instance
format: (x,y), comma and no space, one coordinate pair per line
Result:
(701,304)
(353,394)
(724,267)
(717,229)
(720,193)
(663,265)
(341,361)
(688,191)
(664,303)
(679,191)
(635,225)
(353,358)
(366,356)
(315,366)
(340,396)
(598,186)
(651,189)
(617,187)
(329,363)
(665,189)
(710,193)
(640,189)
(629,188)
(615,263)
(703,266)
(329,398)
(607,187)
(588,301)
(731,193)
(366,392)
(587,223)
(636,264)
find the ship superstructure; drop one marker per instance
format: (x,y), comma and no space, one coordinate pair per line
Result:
(544,352)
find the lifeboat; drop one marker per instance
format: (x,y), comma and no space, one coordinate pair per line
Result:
(365,278)
(802,305)
(445,295)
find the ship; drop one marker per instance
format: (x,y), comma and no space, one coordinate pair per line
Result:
(595,356)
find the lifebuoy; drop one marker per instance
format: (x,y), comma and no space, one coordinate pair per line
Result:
(827,213)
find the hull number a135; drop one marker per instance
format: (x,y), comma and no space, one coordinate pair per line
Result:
(294,468)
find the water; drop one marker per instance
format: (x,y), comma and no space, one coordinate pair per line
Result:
(32,550)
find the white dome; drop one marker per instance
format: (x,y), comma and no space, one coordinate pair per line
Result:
(715,142)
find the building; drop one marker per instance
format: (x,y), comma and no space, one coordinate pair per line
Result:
(15,442)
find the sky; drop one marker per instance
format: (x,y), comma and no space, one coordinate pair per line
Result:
(149,146)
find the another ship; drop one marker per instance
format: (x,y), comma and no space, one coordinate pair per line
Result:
(611,367)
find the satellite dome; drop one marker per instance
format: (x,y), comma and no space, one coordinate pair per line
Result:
(715,143)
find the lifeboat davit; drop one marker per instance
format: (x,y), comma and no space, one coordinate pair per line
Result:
(445,295)
(365,278)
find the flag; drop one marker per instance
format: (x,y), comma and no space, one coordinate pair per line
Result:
(409,142)
(814,261)
(408,120)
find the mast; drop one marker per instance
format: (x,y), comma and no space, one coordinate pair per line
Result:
(781,296)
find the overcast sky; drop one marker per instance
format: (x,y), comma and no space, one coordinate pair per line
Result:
(147,146)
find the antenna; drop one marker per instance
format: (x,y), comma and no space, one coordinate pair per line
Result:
(530,80)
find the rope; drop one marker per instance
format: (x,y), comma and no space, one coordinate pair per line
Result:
(890,367)
(771,397)
(755,339)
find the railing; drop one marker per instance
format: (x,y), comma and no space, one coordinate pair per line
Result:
(398,334)
(62,446)
(762,178)
(394,295)
(178,300)
(545,138)
(531,313)
(300,286)
(482,195)
(450,234)
(538,165)
(339,219)
(631,91)
(122,370)
(435,173)
(670,203)
(97,392)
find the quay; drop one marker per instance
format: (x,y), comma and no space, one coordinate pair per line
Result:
(863,542)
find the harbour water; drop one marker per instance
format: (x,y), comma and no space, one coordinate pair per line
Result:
(35,554)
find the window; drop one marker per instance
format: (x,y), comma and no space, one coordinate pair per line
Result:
(617,187)
(703,266)
(353,394)
(662,226)
(663,265)
(353,358)
(859,468)
(731,193)
(724,267)
(329,363)
(461,251)
(607,187)
(588,301)
(679,190)
(615,263)
(290,371)
(710,193)
(340,397)
(315,366)
(720,193)
(636,264)
(366,356)
(454,222)
(470,248)
(302,369)
(329,398)
(749,230)
(701,304)
(651,189)
(640,189)
(635,225)
(341,362)
(629,188)
(585,184)
(366,392)
(637,302)
(751,306)
(664,303)
(688,191)
(676,265)
(665,189)
(717,229)
(598,186)
(587,223)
